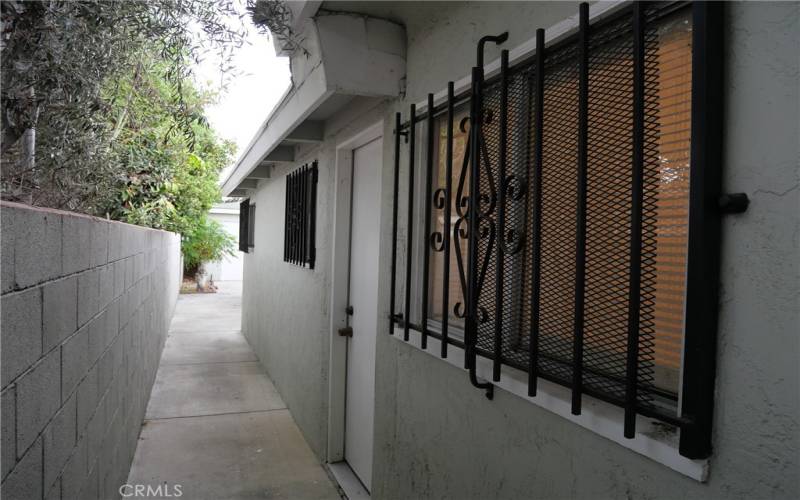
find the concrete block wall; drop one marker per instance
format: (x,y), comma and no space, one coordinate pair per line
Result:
(86,304)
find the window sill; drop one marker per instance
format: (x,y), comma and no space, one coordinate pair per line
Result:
(598,416)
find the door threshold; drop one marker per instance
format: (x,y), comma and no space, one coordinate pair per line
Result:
(348,481)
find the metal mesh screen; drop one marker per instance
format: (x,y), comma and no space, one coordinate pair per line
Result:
(608,214)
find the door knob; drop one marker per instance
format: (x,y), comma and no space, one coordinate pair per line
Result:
(346,331)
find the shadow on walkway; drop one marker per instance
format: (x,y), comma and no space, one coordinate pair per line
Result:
(215,424)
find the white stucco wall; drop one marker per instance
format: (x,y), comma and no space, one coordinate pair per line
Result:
(438,437)
(285,307)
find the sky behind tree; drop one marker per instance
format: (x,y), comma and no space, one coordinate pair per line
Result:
(257,83)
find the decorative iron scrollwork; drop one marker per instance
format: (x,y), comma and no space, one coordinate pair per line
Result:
(436,241)
(512,241)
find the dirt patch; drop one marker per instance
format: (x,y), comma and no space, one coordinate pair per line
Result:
(191,286)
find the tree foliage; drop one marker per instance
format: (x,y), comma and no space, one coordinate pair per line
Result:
(56,58)
(163,179)
(205,242)
(274,17)
(100,114)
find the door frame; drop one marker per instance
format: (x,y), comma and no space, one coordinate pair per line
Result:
(340,275)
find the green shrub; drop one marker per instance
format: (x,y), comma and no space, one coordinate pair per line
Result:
(207,241)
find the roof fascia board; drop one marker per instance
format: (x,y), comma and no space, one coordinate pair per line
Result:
(297,106)
(281,102)
(356,56)
(224,211)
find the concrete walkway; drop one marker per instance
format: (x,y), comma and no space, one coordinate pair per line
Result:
(215,424)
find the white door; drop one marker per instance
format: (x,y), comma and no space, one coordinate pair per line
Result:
(364,240)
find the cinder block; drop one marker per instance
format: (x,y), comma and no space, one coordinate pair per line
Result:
(133,428)
(97,337)
(139,266)
(130,272)
(132,241)
(139,238)
(126,307)
(106,284)
(135,293)
(114,242)
(110,439)
(74,361)
(91,489)
(95,432)
(119,426)
(151,239)
(9,430)
(6,250)
(113,415)
(20,332)
(76,238)
(59,440)
(88,295)
(87,399)
(116,349)
(112,321)
(25,481)
(124,241)
(55,491)
(60,311)
(105,371)
(134,356)
(123,312)
(38,398)
(73,481)
(107,465)
(119,278)
(99,242)
(121,458)
(37,245)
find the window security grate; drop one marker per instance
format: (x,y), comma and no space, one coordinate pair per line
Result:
(587,260)
(300,216)
(246,222)
(251,227)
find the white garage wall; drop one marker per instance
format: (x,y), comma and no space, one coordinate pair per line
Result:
(230,267)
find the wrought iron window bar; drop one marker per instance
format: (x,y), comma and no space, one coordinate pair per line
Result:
(496,227)
(245,224)
(300,216)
